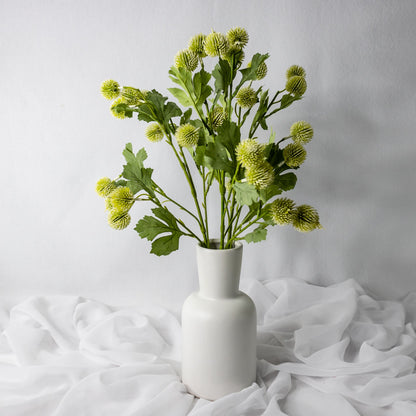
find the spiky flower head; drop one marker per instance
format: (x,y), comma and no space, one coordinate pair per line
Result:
(282,211)
(110,89)
(261,175)
(296,85)
(306,218)
(104,187)
(246,97)
(261,71)
(108,204)
(237,37)
(197,44)
(187,135)
(216,44)
(301,132)
(295,70)
(186,59)
(132,96)
(294,155)
(250,153)
(119,220)
(217,117)
(117,112)
(121,198)
(154,132)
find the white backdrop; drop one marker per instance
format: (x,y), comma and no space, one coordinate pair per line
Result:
(58,138)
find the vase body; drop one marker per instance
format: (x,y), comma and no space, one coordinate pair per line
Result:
(218,328)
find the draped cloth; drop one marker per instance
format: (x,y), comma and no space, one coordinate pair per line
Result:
(320,350)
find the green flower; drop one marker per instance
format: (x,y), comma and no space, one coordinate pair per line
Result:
(119,219)
(121,198)
(296,85)
(154,132)
(282,211)
(294,155)
(186,59)
(246,97)
(216,44)
(197,44)
(108,204)
(217,117)
(110,89)
(261,175)
(250,153)
(261,71)
(132,96)
(306,218)
(237,37)
(116,112)
(301,132)
(105,186)
(295,70)
(187,135)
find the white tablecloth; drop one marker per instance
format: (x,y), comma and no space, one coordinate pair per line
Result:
(321,351)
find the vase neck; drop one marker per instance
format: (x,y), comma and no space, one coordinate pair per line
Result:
(219,271)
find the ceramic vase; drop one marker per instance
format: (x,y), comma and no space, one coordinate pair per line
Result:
(218,327)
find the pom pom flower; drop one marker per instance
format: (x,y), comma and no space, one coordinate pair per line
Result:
(295,70)
(282,210)
(246,97)
(118,113)
(186,59)
(187,135)
(119,220)
(237,37)
(306,218)
(250,153)
(261,175)
(197,45)
(294,155)
(105,186)
(296,85)
(154,132)
(216,44)
(301,132)
(217,117)
(121,198)
(110,89)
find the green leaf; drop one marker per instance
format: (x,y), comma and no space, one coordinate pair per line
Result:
(216,157)
(272,137)
(186,116)
(222,75)
(138,177)
(250,73)
(164,222)
(257,235)
(201,88)
(229,136)
(245,193)
(181,96)
(163,246)
(286,182)
(287,100)
(182,77)
(269,192)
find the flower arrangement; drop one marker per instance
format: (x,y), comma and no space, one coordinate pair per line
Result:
(205,136)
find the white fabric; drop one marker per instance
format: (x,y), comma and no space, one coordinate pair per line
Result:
(320,351)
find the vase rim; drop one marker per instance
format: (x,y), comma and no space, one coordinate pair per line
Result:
(216,241)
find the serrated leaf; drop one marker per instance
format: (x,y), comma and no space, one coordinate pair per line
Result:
(150,227)
(163,246)
(229,136)
(186,116)
(181,96)
(286,182)
(245,193)
(250,73)
(222,75)
(257,235)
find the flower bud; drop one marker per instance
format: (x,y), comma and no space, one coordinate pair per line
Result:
(110,89)
(261,175)
(237,37)
(294,155)
(295,70)
(119,219)
(250,153)
(186,59)
(216,44)
(301,132)
(296,85)
(187,135)
(105,186)
(281,211)
(154,132)
(306,218)
(246,97)
(121,198)
(197,44)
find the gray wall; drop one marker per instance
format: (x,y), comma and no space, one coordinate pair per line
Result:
(58,137)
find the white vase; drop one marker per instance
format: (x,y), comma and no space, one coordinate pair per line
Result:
(218,327)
